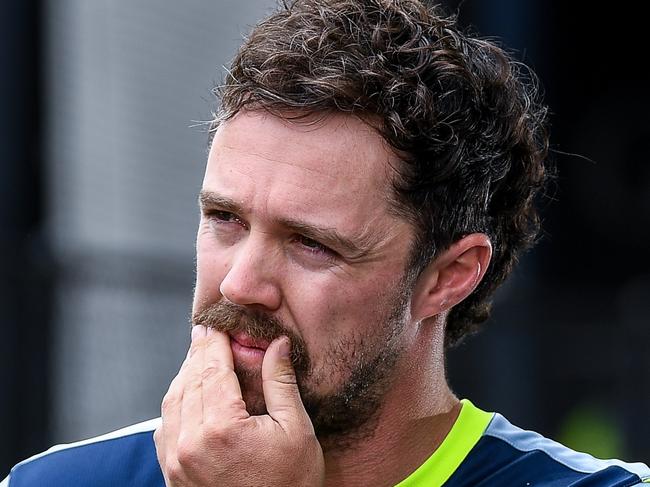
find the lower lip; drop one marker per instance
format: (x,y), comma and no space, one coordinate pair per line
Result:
(247,353)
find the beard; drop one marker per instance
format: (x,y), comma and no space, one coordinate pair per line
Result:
(364,363)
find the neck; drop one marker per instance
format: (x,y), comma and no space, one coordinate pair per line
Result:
(416,415)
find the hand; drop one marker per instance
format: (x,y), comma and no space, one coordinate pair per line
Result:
(207,438)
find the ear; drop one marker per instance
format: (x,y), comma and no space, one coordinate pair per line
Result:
(451,276)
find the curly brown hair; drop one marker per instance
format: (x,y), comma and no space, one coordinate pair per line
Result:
(462,114)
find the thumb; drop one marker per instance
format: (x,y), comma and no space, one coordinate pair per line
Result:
(281,393)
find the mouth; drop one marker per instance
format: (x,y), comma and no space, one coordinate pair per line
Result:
(243,343)
(249,342)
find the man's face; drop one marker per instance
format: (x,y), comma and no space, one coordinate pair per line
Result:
(296,238)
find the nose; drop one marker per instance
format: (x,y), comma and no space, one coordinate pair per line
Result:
(251,278)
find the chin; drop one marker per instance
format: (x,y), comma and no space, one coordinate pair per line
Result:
(255,404)
(251,390)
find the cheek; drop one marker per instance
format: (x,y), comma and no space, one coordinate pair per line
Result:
(328,309)
(210,271)
(343,323)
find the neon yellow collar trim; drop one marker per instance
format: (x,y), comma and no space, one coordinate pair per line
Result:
(464,434)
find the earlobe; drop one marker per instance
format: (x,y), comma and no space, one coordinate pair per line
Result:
(451,276)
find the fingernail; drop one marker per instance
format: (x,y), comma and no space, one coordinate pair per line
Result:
(210,331)
(198,331)
(284,348)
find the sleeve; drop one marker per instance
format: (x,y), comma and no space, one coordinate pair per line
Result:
(5,482)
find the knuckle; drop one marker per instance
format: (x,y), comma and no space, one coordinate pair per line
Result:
(175,384)
(209,372)
(193,384)
(174,473)
(214,371)
(197,343)
(169,402)
(284,377)
(187,452)
(219,435)
(157,436)
(194,348)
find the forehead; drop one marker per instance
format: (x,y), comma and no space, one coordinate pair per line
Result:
(337,164)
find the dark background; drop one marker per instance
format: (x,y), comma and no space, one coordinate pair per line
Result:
(567,351)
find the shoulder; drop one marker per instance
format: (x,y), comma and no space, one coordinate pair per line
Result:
(124,457)
(512,456)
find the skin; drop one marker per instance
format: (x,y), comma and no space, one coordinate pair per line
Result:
(333,174)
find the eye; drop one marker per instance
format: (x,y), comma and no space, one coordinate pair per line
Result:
(313,247)
(220,216)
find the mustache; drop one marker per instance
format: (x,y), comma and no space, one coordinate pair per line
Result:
(229,317)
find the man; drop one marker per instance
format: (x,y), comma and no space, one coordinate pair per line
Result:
(369,185)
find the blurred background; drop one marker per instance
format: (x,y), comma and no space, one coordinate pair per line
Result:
(101,158)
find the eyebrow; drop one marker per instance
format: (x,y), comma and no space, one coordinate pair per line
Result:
(210,199)
(327,236)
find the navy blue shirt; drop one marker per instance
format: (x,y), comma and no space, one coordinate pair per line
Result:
(482,450)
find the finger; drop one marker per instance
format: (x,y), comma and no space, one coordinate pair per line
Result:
(199,332)
(222,397)
(281,393)
(170,415)
(166,435)
(159,444)
(191,416)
